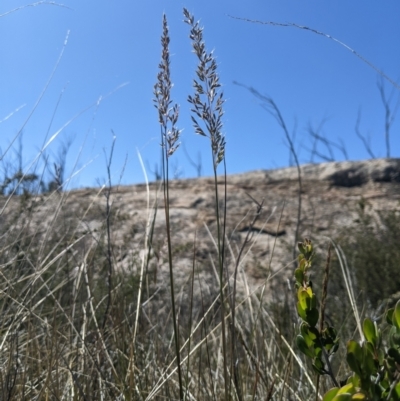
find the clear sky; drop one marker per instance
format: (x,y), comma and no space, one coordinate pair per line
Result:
(113,49)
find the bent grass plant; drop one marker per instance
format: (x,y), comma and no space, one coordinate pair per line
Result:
(207,105)
(168,118)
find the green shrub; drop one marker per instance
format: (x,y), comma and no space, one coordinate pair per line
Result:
(374,360)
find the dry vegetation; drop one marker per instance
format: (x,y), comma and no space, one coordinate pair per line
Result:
(88,312)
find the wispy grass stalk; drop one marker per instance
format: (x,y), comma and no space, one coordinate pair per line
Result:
(315,31)
(234,342)
(109,256)
(168,117)
(207,105)
(272,108)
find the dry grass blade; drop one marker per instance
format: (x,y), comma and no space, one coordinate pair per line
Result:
(349,287)
(38,3)
(363,59)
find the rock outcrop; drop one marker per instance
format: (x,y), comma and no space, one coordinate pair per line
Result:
(330,197)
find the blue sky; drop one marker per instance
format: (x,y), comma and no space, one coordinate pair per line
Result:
(113,49)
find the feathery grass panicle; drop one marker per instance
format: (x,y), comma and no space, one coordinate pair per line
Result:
(208,99)
(167,115)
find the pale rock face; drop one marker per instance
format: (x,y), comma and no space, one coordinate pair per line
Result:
(346,173)
(330,197)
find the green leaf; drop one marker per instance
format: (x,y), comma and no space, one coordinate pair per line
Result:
(330,332)
(299,276)
(381,356)
(330,395)
(359,397)
(355,380)
(394,337)
(301,311)
(335,348)
(301,248)
(390,364)
(313,301)
(302,263)
(355,357)
(312,317)
(318,366)
(369,365)
(396,315)
(304,298)
(303,347)
(370,331)
(310,334)
(330,340)
(385,384)
(397,390)
(318,351)
(309,247)
(342,397)
(389,316)
(395,354)
(347,388)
